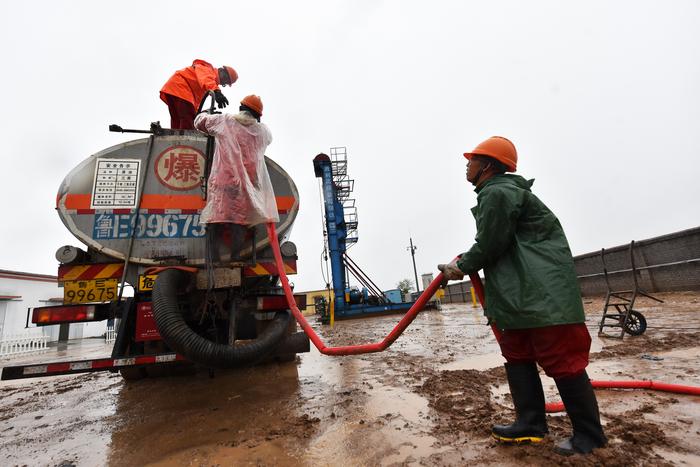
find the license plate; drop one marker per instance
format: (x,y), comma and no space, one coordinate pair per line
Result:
(93,290)
(146,282)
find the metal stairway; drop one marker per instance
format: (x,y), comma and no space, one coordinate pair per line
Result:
(344,186)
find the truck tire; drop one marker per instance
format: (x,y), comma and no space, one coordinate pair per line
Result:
(180,337)
(133,374)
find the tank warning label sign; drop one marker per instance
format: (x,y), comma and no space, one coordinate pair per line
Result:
(146,328)
(180,167)
(120,226)
(115,183)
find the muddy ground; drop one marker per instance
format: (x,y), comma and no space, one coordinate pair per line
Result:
(429,400)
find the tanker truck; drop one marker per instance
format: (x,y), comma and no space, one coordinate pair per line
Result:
(135,208)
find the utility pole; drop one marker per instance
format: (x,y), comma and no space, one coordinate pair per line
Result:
(413,249)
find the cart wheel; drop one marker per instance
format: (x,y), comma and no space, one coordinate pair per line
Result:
(636,323)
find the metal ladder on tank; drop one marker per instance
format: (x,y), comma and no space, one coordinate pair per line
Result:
(618,311)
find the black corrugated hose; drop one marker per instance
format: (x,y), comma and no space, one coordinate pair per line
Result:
(182,339)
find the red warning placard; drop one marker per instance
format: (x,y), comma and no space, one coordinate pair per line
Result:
(180,167)
(146,329)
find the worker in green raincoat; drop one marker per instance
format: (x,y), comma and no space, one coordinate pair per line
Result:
(533,296)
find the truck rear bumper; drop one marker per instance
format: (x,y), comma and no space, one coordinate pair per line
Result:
(291,344)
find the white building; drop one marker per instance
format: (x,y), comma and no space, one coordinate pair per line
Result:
(20,292)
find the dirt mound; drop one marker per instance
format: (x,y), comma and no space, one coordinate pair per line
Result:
(464,398)
(466,411)
(644,344)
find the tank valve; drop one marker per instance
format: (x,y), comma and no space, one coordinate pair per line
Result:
(68,254)
(288,249)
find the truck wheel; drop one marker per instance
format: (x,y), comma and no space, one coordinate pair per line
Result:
(133,374)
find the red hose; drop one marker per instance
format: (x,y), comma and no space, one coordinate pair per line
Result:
(559,406)
(353,349)
(644,384)
(479,289)
(413,312)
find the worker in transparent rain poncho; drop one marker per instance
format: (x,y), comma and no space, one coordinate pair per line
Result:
(239,191)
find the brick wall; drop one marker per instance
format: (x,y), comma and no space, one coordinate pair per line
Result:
(666,263)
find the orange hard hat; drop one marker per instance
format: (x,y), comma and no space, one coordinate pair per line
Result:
(253,102)
(498,147)
(233,76)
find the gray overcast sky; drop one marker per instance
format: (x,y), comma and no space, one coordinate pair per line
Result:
(601,98)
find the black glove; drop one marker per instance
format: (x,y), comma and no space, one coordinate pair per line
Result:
(220,99)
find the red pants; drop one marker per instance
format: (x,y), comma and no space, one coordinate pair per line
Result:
(561,351)
(182,113)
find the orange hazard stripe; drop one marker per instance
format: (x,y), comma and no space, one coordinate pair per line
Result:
(81,201)
(284,203)
(266,269)
(153,201)
(172,202)
(90,271)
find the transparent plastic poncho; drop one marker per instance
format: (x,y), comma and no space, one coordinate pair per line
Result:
(239,190)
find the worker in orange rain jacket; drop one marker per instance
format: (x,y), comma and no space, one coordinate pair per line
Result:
(239,190)
(185,89)
(533,296)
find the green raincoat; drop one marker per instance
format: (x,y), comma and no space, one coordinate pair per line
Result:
(527,263)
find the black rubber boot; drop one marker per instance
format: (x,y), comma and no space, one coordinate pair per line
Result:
(582,408)
(528,397)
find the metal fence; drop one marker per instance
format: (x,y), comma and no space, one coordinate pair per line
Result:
(11,346)
(110,334)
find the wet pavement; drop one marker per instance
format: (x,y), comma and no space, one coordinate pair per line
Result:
(428,400)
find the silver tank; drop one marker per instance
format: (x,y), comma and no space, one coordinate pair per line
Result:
(98,200)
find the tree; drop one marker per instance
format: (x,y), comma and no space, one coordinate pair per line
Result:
(405,286)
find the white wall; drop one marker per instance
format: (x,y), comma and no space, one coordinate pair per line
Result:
(36,290)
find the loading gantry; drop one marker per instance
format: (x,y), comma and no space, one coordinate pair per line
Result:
(341,225)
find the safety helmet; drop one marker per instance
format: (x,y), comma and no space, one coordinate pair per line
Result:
(233,76)
(253,102)
(498,147)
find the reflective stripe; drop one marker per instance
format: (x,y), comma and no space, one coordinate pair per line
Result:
(124,361)
(81,365)
(170,202)
(260,270)
(90,271)
(166,358)
(34,370)
(265,269)
(73,273)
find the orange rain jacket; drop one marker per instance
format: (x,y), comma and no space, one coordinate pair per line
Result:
(192,83)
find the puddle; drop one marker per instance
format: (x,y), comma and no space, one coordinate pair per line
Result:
(269,453)
(389,427)
(678,458)
(321,410)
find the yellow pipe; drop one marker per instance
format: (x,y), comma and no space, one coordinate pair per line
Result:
(471,289)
